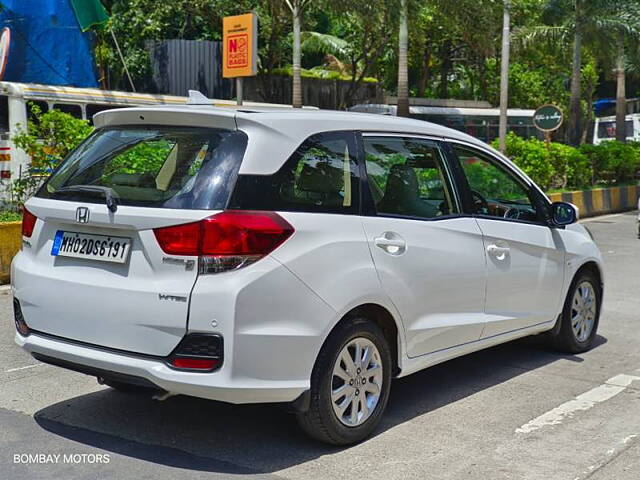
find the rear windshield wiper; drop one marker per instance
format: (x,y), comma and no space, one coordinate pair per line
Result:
(110,194)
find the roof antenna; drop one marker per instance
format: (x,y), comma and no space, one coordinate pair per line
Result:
(197,98)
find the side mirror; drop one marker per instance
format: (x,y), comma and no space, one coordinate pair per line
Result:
(563,213)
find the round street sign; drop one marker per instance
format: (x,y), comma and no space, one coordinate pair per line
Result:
(548,118)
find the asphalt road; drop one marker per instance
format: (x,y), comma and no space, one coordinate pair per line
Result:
(517,411)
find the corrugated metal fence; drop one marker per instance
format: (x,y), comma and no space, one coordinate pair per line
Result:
(181,65)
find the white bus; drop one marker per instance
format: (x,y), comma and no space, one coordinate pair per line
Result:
(79,102)
(605,129)
(478,122)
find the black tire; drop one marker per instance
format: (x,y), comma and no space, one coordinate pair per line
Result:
(563,337)
(127,387)
(320,421)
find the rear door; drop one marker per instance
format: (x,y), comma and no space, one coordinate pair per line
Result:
(525,257)
(429,257)
(98,275)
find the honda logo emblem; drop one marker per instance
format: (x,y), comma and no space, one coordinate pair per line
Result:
(82,215)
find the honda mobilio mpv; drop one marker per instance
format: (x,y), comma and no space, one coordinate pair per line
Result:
(297,256)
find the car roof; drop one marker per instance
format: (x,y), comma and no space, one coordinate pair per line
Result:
(280,131)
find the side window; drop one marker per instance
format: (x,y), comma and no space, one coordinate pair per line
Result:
(321,176)
(407,177)
(71,109)
(4,113)
(496,192)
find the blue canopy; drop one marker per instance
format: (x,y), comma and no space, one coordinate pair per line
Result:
(47,45)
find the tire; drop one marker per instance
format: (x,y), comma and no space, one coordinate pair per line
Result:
(566,338)
(321,421)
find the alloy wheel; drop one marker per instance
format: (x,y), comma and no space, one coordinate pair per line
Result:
(356,383)
(583,311)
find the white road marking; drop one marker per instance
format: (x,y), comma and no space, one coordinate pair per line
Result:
(608,456)
(23,368)
(584,401)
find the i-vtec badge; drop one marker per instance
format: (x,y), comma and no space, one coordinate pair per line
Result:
(82,215)
(172,298)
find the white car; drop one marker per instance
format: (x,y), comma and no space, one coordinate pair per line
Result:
(292,256)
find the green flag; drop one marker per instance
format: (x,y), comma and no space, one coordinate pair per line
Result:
(89,13)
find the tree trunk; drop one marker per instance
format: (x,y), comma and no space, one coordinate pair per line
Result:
(575,110)
(297,85)
(445,68)
(621,97)
(403,74)
(504,77)
(425,72)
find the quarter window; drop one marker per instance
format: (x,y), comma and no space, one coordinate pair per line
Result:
(407,177)
(321,176)
(496,192)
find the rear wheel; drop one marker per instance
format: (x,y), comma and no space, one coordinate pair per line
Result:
(580,316)
(349,385)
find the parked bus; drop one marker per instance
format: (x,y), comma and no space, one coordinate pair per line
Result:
(81,103)
(605,128)
(481,123)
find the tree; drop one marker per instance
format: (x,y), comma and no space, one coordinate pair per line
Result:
(47,139)
(579,22)
(297,9)
(504,77)
(403,73)
(624,32)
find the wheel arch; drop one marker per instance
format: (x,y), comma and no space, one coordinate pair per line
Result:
(593,268)
(384,319)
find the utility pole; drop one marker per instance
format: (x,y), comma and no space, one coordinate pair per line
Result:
(504,76)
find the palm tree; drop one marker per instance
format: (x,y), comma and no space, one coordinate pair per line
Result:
(629,31)
(579,22)
(504,76)
(403,73)
(297,9)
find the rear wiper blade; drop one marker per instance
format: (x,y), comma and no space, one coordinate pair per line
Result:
(110,194)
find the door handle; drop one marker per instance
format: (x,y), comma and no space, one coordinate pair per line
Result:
(498,251)
(391,242)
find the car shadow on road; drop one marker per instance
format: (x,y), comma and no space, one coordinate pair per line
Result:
(212,436)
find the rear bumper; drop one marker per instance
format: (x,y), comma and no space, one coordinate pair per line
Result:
(218,385)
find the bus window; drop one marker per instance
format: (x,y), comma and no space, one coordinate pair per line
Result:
(4,113)
(608,129)
(73,110)
(93,108)
(43,106)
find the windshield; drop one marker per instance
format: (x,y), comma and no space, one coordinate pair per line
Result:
(163,167)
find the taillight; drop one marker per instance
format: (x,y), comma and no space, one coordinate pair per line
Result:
(28,222)
(180,239)
(228,240)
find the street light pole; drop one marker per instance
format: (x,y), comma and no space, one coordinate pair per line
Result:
(504,76)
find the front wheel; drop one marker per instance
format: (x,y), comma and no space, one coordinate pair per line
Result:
(580,316)
(349,384)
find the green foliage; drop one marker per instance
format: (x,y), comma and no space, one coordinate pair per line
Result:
(613,162)
(572,168)
(560,166)
(319,72)
(9,216)
(145,157)
(49,137)
(532,157)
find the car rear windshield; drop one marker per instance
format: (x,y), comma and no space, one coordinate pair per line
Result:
(161,167)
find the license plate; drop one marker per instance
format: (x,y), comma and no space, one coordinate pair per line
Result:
(92,247)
